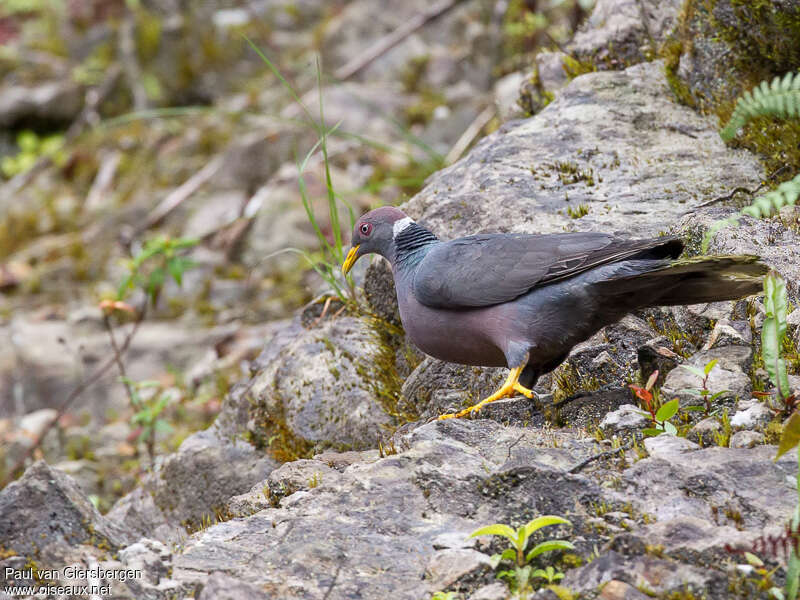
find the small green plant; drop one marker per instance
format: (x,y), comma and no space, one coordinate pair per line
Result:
(158,259)
(577,213)
(32,148)
(147,420)
(704,392)
(520,575)
(779,99)
(549,574)
(444,596)
(658,413)
(772,334)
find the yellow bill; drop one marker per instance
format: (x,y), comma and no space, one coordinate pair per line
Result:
(352,257)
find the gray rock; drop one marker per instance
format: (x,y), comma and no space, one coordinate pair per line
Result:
(746,439)
(757,415)
(728,375)
(626,419)
(54,102)
(667,446)
(447,566)
(376,513)
(622,32)
(511,179)
(492,591)
(207,470)
(44,514)
(326,386)
(705,430)
(138,512)
(224,587)
(729,333)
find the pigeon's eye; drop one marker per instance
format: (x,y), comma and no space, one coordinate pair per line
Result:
(365,229)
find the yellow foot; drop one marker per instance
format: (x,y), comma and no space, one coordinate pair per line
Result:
(507,390)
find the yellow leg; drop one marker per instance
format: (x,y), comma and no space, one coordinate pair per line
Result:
(507,390)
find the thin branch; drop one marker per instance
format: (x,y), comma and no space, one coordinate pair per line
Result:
(472,132)
(181,193)
(386,43)
(595,457)
(67,402)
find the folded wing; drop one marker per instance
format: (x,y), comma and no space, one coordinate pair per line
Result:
(482,270)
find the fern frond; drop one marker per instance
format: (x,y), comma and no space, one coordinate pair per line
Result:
(785,194)
(779,99)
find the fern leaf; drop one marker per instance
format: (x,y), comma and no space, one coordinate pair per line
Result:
(781,98)
(785,194)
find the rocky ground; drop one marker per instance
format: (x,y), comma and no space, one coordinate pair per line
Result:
(319,475)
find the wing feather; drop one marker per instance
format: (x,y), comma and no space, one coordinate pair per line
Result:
(482,270)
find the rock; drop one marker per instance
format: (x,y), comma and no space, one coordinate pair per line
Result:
(506,94)
(326,387)
(626,419)
(376,513)
(757,415)
(711,47)
(665,446)
(729,333)
(704,431)
(220,586)
(295,476)
(655,355)
(492,591)
(207,470)
(446,567)
(746,439)
(55,102)
(619,33)
(44,514)
(728,375)
(138,512)
(619,590)
(512,181)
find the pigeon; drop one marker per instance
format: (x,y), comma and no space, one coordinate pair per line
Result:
(523,301)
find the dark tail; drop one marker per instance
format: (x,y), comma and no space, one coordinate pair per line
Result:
(694,280)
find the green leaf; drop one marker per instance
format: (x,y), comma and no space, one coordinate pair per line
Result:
(154,283)
(652,432)
(710,366)
(667,410)
(549,546)
(694,408)
(773,331)
(544,521)
(670,429)
(494,560)
(695,370)
(790,436)
(496,529)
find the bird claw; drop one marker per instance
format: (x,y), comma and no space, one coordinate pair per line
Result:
(507,390)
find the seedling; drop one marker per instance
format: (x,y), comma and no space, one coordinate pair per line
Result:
(658,413)
(521,573)
(703,392)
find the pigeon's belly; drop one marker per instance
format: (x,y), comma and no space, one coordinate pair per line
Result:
(455,336)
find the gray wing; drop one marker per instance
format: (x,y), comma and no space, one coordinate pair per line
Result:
(482,270)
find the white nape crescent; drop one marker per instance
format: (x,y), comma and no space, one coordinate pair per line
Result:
(400,225)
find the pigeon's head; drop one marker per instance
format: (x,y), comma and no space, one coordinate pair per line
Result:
(375,232)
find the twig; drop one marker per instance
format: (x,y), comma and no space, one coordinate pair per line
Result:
(591,459)
(744,189)
(386,43)
(103,181)
(469,135)
(118,359)
(65,404)
(517,441)
(181,193)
